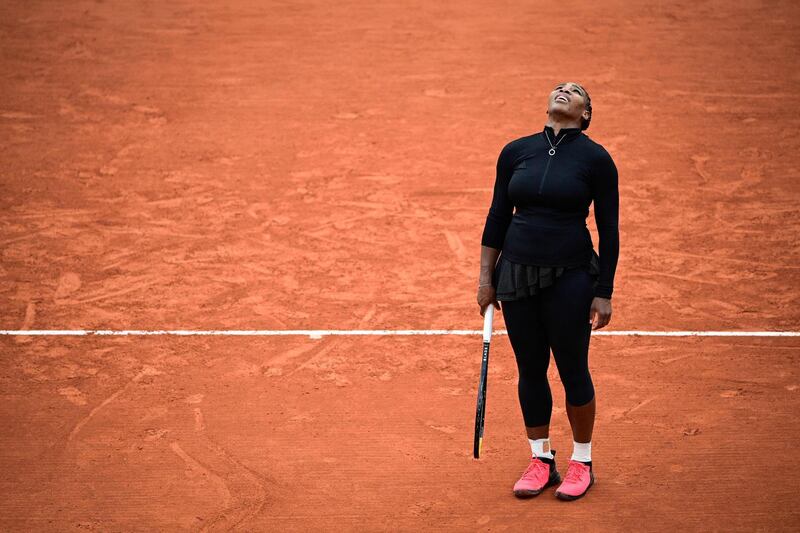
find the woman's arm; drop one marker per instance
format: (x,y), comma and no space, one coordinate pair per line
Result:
(494,231)
(502,209)
(488,261)
(606,215)
(487,295)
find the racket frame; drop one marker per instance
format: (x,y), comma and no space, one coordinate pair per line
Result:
(480,412)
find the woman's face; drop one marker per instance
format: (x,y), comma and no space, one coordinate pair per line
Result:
(568,99)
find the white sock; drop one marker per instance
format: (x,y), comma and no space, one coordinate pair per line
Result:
(582,451)
(541,448)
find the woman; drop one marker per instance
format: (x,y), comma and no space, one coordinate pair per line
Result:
(555,289)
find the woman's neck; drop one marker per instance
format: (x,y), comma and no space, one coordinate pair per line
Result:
(557,124)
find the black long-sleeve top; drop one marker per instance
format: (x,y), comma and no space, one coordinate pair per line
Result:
(552,195)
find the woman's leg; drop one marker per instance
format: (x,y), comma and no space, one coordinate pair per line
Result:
(565,313)
(532,352)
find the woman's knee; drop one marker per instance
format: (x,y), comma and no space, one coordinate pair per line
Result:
(532,363)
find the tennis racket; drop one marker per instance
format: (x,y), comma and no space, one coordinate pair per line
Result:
(480,413)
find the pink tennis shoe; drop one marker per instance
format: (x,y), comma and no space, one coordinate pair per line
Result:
(577,481)
(540,474)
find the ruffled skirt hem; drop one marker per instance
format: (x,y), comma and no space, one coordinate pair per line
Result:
(513,281)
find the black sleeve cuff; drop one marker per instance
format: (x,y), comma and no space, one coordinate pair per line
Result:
(603,292)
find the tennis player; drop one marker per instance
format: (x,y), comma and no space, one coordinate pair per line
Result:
(554,288)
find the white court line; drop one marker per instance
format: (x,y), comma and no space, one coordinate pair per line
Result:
(319,333)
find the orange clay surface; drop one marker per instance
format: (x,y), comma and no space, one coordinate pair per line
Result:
(304,165)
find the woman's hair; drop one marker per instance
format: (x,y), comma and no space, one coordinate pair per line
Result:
(585,122)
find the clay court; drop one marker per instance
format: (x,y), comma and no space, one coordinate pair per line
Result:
(319,165)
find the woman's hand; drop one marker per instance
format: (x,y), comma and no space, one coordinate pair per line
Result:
(486,297)
(600,314)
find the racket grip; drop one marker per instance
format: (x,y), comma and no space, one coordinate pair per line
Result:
(488,319)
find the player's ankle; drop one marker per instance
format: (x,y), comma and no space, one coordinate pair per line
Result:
(541,447)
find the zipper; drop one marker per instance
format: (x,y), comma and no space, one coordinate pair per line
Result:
(546,168)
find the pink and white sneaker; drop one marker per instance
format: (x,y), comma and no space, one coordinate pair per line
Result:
(540,474)
(577,481)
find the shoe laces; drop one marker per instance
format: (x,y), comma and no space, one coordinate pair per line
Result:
(534,467)
(574,472)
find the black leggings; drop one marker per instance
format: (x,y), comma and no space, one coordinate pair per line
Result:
(556,317)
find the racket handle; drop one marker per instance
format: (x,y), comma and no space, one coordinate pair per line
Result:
(488,318)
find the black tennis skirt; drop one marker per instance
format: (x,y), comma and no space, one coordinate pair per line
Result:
(513,281)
